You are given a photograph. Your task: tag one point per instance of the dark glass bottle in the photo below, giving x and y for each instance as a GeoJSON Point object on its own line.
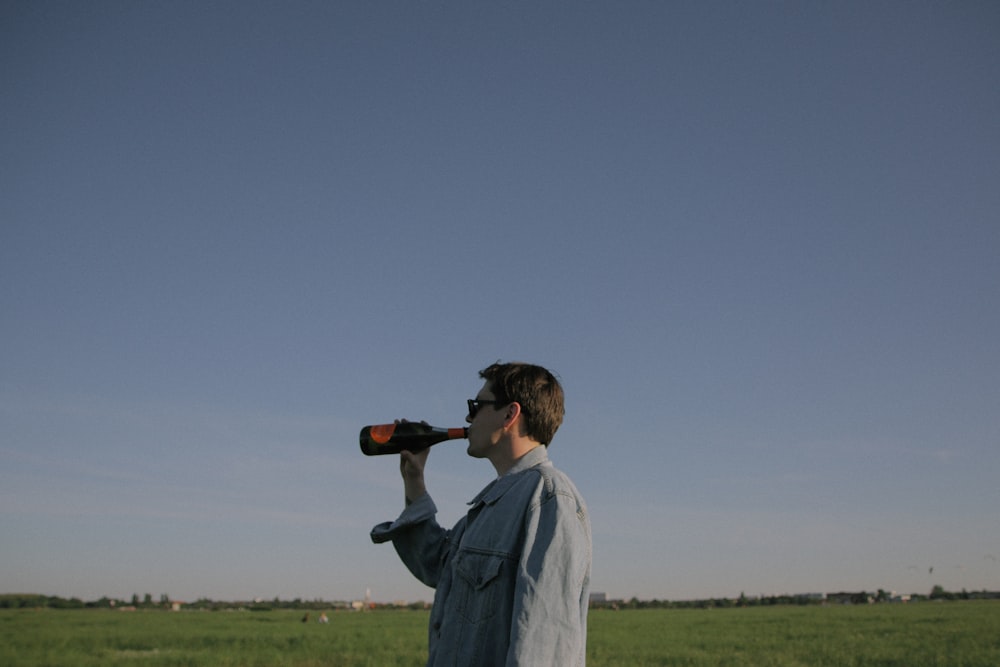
{"type": "Point", "coordinates": [413, 436]}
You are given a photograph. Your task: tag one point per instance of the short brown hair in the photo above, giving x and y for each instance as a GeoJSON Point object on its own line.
{"type": "Point", "coordinates": [535, 389]}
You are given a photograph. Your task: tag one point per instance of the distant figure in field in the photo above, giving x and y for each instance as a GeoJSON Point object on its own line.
{"type": "Point", "coordinates": [323, 618]}
{"type": "Point", "coordinates": [305, 619]}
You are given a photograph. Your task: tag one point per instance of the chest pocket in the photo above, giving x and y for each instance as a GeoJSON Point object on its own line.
{"type": "Point", "coordinates": [477, 585]}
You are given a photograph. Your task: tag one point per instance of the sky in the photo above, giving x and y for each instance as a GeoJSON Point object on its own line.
{"type": "Point", "coordinates": [759, 243]}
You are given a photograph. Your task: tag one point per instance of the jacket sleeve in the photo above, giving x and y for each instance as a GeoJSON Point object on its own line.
{"type": "Point", "coordinates": [418, 539]}
{"type": "Point", "coordinates": [549, 624]}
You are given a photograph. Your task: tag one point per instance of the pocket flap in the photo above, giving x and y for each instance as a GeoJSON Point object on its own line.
{"type": "Point", "coordinates": [479, 570]}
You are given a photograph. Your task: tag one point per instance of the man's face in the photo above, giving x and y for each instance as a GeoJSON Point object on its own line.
{"type": "Point", "coordinates": [486, 425]}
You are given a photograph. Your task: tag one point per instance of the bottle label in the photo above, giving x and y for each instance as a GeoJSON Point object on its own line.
{"type": "Point", "coordinates": [382, 433]}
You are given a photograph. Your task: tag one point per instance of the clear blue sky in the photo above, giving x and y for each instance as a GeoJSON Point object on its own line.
{"type": "Point", "coordinates": [759, 243]}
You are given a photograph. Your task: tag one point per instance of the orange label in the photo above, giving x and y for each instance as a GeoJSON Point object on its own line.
{"type": "Point", "coordinates": [382, 432]}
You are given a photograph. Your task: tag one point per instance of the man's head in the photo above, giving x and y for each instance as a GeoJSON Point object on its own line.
{"type": "Point", "coordinates": [535, 389]}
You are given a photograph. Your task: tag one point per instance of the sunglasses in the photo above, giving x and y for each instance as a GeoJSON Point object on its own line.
{"type": "Point", "coordinates": [476, 403]}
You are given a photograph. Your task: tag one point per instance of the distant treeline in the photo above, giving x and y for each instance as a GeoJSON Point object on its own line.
{"type": "Point", "coordinates": [34, 601]}
{"type": "Point", "coordinates": [860, 597]}
{"type": "Point", "coordinates": [26, 601]}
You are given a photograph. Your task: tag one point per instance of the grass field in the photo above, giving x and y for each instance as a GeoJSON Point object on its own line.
{"type": "Point", "coordinates": [951, 634]}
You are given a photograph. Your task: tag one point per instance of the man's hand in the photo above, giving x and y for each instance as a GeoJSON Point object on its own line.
{"type": "Point", "coordinates": [411, 464]}
{"type": "Point", "coordinates": [411, 467]}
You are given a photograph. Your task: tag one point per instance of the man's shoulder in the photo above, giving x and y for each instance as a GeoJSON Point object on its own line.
{"type": "Point", "coordinates": [549, 481]}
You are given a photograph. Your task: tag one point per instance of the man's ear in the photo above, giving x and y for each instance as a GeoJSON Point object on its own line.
{"type": "Point", "coordinates": [513, 412]}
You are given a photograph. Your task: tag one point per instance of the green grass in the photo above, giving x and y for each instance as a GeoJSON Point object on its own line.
{"type": "Point", "coordinates": [953, 634]}
{"type": "Point", "coordinates": [965, 634]}
{"type": "Point", "coordinates": [99, 637]}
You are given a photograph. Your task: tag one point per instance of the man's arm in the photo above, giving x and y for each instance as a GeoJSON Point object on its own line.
{"type": "Point", "coordinates": [549, 624]}
{"type": "Point", "coordinates": [416, 535]}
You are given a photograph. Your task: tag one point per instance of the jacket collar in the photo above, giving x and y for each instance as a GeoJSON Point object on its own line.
{"type": "Point", "coordinates": [495, 489]}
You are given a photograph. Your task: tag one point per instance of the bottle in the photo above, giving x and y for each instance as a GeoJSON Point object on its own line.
{"type": "Point", "coordinates": [413, 436]}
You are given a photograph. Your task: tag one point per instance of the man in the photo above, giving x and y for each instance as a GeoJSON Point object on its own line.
{"type": "Point", "coordinates": [513, 575]}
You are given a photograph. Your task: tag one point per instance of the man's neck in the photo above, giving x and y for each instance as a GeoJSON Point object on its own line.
{"type": "Point", "coordinates": [512, 454]}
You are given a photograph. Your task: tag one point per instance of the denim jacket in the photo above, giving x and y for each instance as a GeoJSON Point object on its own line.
{"type": "Point", "coordinates": [512, 576]}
